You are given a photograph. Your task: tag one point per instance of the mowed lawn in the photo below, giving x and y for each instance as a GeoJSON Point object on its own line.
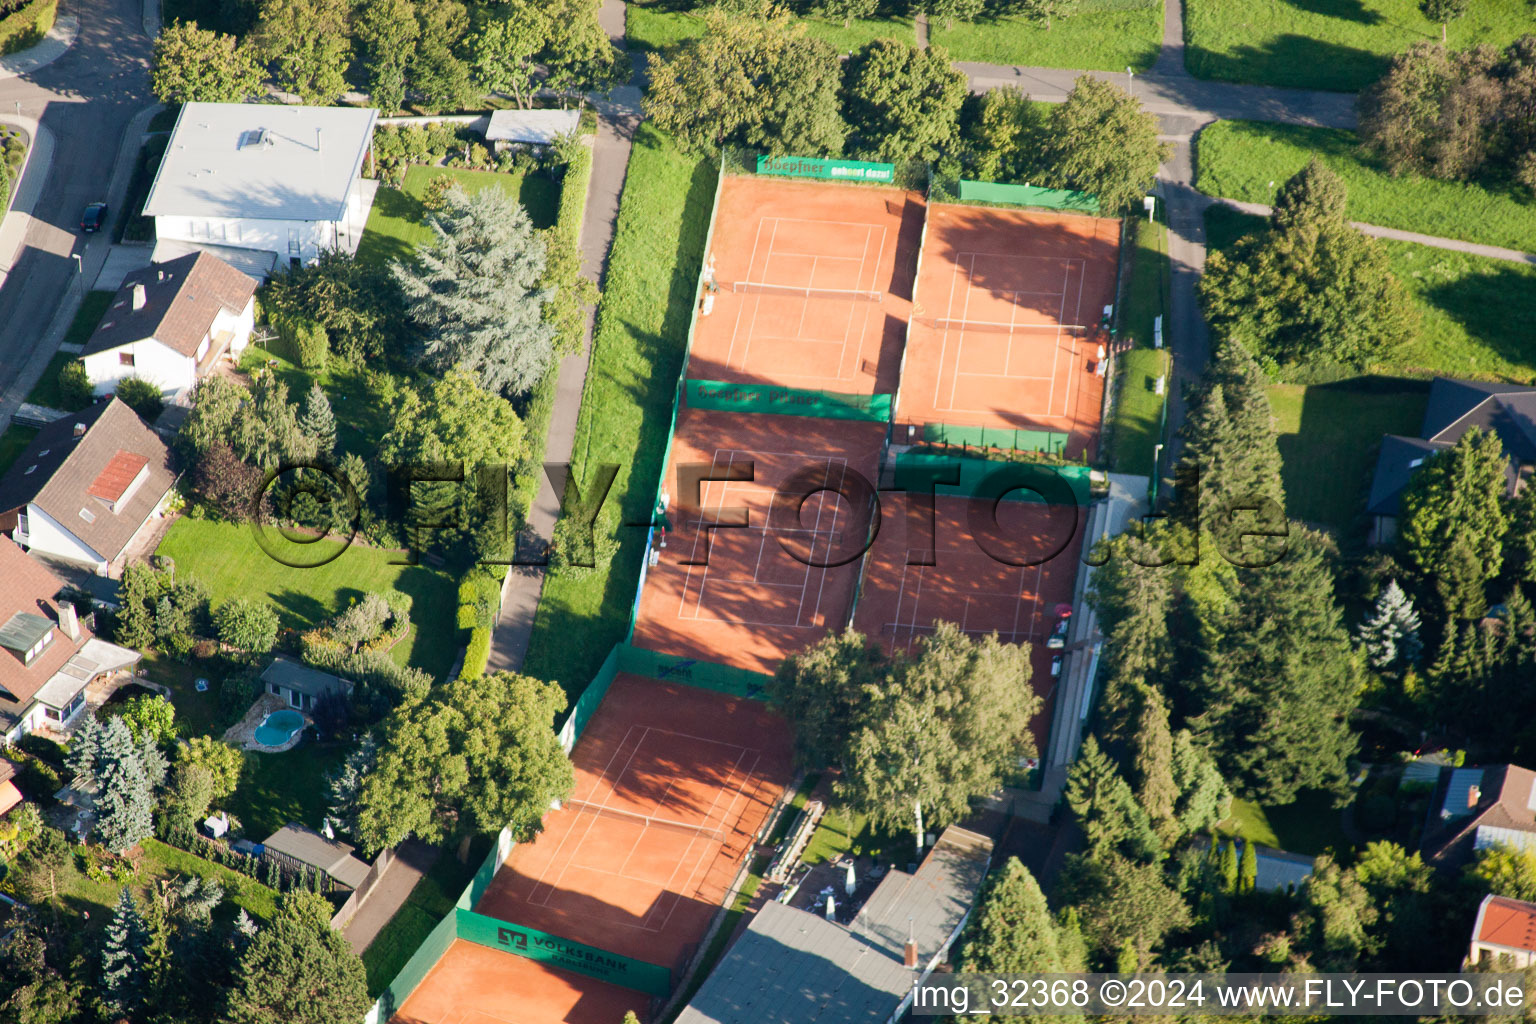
{"type": "Point", "coordinates": [397, 224]}
{"type": "Point", "coordinates": [92, 307]}
{"type": "Point", "coordinates": [1329, 434]}
{"type": "Point", "coordinates": [1138, 408]}
{"type": "Point", "coordinates": [1309, 825]}
{"type": "Point", "coordinates": [1250, 160]}
{"type": "Point", "coordinates": [1341, 45]}
{"type": "Point", "coordinates": [1101, 40]}
{"type": "Point", "coordinates": [1475, 312]}
{"type": "Point", "coordinates": [231, 563]}
{"type": "Point", "coordinates": [626, 413]}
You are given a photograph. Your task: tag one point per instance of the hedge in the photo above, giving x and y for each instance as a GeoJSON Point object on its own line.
{"type": "Point", "coordinates": [303, 341]}
{"type": "Point", "coordinates": [26, 25]}
{"type": "Point", "coordinates": [573, 192]}
{"type": "Point", "coordinates": [478, 654]}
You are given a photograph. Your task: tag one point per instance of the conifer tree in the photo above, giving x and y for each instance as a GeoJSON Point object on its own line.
{"type": "Point", "coordinates": [1390, 633]}
{"type": "Point", "coordinates": [1454, 521]}
{"type": "Point", "coordinates": [1011, 931]}
{"type": "Point", "coordinates": [1248, 871]}
{"type": "Point", "coordinates": [124, 797]}
{"type": "Point", "coordinates": [1152, 769]}
{"type": "Point", "coordinates": [84, 748]}
{"type": "Point", "coordinates": [1101, 799]}
{"type": "Point", "coordinates": [122, 953]}
{"type": "Point", "coordinates": [1204, 798]}
{"type": "Point", "coordinates": [1226, 867]}
{"type": "Point", "coordinates": [1071, 942]}
{"type": "Point", "coordinates": [318, 422]}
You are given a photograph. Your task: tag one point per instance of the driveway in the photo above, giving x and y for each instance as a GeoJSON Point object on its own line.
{"type": "Point", "coordinates": [85, 101]}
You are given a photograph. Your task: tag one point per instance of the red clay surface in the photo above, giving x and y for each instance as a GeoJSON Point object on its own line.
{"type": "Point", "coordinates": [966, 584]}
{"type": "Point", "coordinates": [677, 754]}
{"type": "Point", "coordinates": [809, 235]}
{"type": "Point", "coordinates": [1032, 287]}
{"type": "Point", "coordinates": [751, 603]}
{"type": "Point", "coordinates": [473, 984]}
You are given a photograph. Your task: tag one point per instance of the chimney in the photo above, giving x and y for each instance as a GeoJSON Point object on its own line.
{"type": "Point", "coordinates": [317, 140]}
{"type": "Point", "coordinates": [910, 954]}
{"type": "Point", "coordinates": [160, 275]}
{"type": "Point", "coordinates": [1474, 794]}
{"type": "Point", "coordinates": [69, 621]}
{"type": "Point", "coordinates": [140, 298]}
{"type": "Point", "coordinates": [79, 430]}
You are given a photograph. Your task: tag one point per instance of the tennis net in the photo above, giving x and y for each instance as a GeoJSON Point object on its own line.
{"type": "Point", "coordinates": [998, 326]}
{"type": "Point", "coordinates": [839, 294]}
{"type": "Point", "coordinates": [647, 821]}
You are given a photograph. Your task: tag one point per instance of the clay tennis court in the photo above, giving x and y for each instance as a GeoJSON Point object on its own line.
{"type": "Point", "coordinates": [473, 984]}
{"type": "Point", "coordinates": [735, 595]}
{"type": "Point", "coordinates": [1005, 329]}
{"type": "Point", "coordinates": [814, 285]}
{"type": "Point", "coordinates": [672, 785]}
{"type": "Point", "coordinates": [899, 602]}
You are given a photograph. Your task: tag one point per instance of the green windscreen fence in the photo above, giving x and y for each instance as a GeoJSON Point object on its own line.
{"type": "Point", "coordinates": [737, 682]}
{"type": "Point", "coordinates": [979, 478]}
{"type": "Point", "coordinates": [1028, 195]}
{"type": "Point", "coordinates": [558, 952]}
{"type": "Point", "coordinates": [415, 969]}
{"type": "Point", "coordinates": [824, 169]}
{"type": "Point", "coordinates": [1047, 441]}
{"type": "Point", "coordinates": [470, 897]}
{"type": "Point", "coordinates": [722, 396]}
{"type": "Point", "coordinates": [587, 704]}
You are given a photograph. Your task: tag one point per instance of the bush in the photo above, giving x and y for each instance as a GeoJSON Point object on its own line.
{"type": "Point", "coordinates": [142, 397]}
{"type": "Point", "coordinates": [477, 654]}
{"type": "Point", "coordinates": [302, 340]}
{"type": "Point", "coordinates": [75, 386]}
{"type": "Point", "coordinates": [26, 25]}
{"type": "Point", "coordinates": [479, 595]}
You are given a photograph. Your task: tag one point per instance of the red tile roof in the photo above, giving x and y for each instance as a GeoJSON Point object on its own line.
{"type": "Point", "coordinates": [1506, 922]}
{"type": "Point", "coordinates": [118, 474]}
{"type": "Point", "coordinates": [29, 587]}
{"type": "Point", "coordinates": [181, 299]}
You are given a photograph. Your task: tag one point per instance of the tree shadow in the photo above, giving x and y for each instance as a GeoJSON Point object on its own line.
{"type": "Point", "coordinates": [1495, 308]}
{"type": "Point", "coordinates": [1289, 60]}
{"type": "Point", "coordinates": [1345, 10]}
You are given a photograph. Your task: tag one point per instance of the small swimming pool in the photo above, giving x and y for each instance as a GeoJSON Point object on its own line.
{"type": "Point", "coordinates": [278, 728]}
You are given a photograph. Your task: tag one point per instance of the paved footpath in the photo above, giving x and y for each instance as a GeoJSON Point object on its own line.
{"type": "Point", "coordinates": [618, 117]}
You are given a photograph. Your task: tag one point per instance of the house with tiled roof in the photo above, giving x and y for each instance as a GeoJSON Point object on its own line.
{"type": "Point", "coordinates": [48, 657]}
{"type": "Point", "coordinates": [1477, 807]}
{"type": "Point", "coordinates": [86, 487]}
{"type": "Point", "coordinates": [170, 323]}
{"type": "Point", "coordinates": [1505, 929]}
{"type": "Point", "coordinates": [1455, 407]}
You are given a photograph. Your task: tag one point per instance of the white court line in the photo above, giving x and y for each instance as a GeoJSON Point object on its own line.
{"type": "Point", "coordinates": [703, 862]}
{"type": "Point", "coordinates": [1082, 275]}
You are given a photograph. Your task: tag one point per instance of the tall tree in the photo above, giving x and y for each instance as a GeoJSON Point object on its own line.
{"type": "Point", "coordinates": [1122, 902]}
{"type": "Point", "coordinates": [1335, 920]}
{"type": "Point", "coordinates": [942, 732]}
{"type": "Point", "coordinates": [1101, 141]}
{"type": "Point", "coordinates": [193, 65]}
{"type": "Point", "coordinates": [1152, 769]}
{"type": "Point", "coordinates": [436, 69]}
{"type": "Point", "coordinates": [317, 421]}
{"type": "Point", "coordinates": [1010, 930]}
{"type": "Point", "coordinates": [223, 762]}
{"type": "Point", "coordinates": [1248, 870]}
{"type": "Point", "coordinates": [1204, 799]}
{"type": "Point", "coordinates": [1004, 138]}
{"type": "Point", "coordinates": [473, 756]}
{"type": "Point", "coordinates": [577, 53]}
{"type": "Point", "coordinates": [504, 48]}
{"type": "Point", "coordinates": [1312, 289]}
{"type": "Point", "coordinates": [306, 41]}
{"type": "Point", "coordinates": [1453, 520]}
{"type": "Point", "coordinates": [298, 969]}
{"type": "Point", "coordinates": [1133, 596]}
{"type": "Point", "coordinates": [124, 780]}
{"type": "Point", "coordinates": [825, 691]}
{"type": "Point", "coordinates": [1103, 803]}
{"type": "Point", "coordinates": [475, 292]}
{"type": "Point", "coordinates": [122, 959]}
{"type": "Point", "coordinates": [903, 103]}
{"type": "Point", "coordinates": [1390, 632]}
{"type": "Point", "coordinates": [756, 81]}
{"type": "Point", "coordinates": [1281, 679]}
{"type": "Point", "coordinates": [387, 32]}
{"type": "Point", "coordinates": [844, 10]}
{"type": "Point", "coordinates": [247, 625]}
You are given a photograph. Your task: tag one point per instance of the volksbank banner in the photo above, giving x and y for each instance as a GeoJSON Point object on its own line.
{"type": "Point", "coordinates": [817, 167]}
{"type": "Point", "coordinates": [558, 952]}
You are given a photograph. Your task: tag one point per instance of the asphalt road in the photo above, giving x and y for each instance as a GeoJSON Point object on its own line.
{"type": "Point", "coordinates": [85, 100]}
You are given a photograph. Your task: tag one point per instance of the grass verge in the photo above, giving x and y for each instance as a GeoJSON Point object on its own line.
{"type": "Point", "coordinates": [1250, 160]}
{"type": "Point", "coordinates": [12, 443]}
{"type": "Point", "coordinates": [1095, 40]}
{"type": "Point", "coordinates": [1474, 309]}
{"type": "Point", "coordinates": [429, 902]}
{"type": "Point", "coordinates": [397, 224]}
{"type": "Point", "coordinates": [1341, 45]}
{"type": "Point", "coordinates": [1138, 411]}
{"type": "Point", "coordinates": [655, 26]}
{"type": "Point", "coordinates": [230, 563]}
{"type": "Point", "coordinates": [637, 353]}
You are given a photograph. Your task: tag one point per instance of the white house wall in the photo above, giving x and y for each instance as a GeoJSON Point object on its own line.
{"type": "Point", "coordinates": [47, 535]}
{"type": "Point", "coordinates": [241, 324]}
{"type": "Point", "coordinates": [152, 361]}
{"type": "Point", "coordinates": [307, 237]}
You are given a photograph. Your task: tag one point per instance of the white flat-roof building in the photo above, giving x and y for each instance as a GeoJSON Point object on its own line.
{"type": "Point", "coordinates": [530, 127]}
{"type": "Point", "coordinates": [278, 179]}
